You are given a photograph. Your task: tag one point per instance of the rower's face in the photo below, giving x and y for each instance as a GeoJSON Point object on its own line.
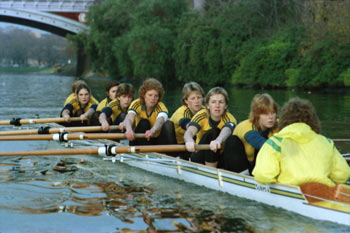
{"type": "Point", "coordinates": [112, 92]}
{"type": "Point", "coordinates": [83, 96]}
{"type": "Point", "coordinates": [217, 105]}
{"type": "Point", "coordinates": [194, 101]}
{"type": "Point", "coordinates": [267, 120]}
{"type": "Point", "coordinates": [151, 98]}
{"type": "Point", "coordinates": [125, 101]}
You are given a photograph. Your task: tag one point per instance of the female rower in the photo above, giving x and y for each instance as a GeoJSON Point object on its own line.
{"type": "Point", "coordinates": [72, 95]}
{"type": "Point", "coordinates": [212, 125]}
{"type": "Point", "coordinates": [82, 106]}
{"type": "Point", "coordinates": [147, 114]}
{"type": "Point", "coordinates": [298, 154]}
{"type": "Point", "coordinates": [114, 113]}
{"type": "Point", "coordinates": [192, 100]}
{"type": "Point", "coordinates": [249, 135]}
{"type": "Point", "coordinates": [111, 90]}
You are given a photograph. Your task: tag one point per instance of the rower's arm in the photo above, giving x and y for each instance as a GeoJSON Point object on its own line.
{"type": "Point", "coordinates": [224, 134]}
{"type": "Point", "coordinates": [188, 137]}
{"type": "Point", "coordinates": [89, 112]}
{"type": "Point", "coordinates": [103, 120]}
{"type": "Point", "coordinates": [158, 124]}
{"type": "Point", "coordinates": [129, 120]}
{"type": "Point", "coordinates": [66, 115]}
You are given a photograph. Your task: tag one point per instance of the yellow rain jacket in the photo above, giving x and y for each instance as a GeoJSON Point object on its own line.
{"type": "Point", "coordinates": [298, 155]}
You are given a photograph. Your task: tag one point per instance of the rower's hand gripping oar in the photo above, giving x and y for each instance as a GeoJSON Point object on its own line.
{"type": "Point", "coordinates": [19, 121]}
{"type": "Point", "coordinates": [107, 150]}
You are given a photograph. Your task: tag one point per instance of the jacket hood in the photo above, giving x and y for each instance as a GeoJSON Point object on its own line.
{"type": "Point", "coordinates": [299, 132]}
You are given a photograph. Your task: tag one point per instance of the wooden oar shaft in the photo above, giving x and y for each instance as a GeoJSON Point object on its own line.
{"type": "Point", "coordinates": [39, 120]}
{"type": "Point", "coordinates": [103, 150]}
{"type": "Point", "coordinates": [57, 130]}
{"type": "Point", "coordinates": [51, 152]}
{"type": "Point", "coordinates": [341, 140]}
{"type": "Point", "coordinates": [157, 148]}
{"type": "Point", "coordinates": [67, 137]}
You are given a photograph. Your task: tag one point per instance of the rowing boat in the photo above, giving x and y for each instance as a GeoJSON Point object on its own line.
{"type": "Point", "coordinates": [288, 197]}
{"type": "Point", "coordinates": [284, 196]}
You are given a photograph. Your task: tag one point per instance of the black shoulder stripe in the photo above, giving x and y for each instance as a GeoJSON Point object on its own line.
{"type": "Point", "coordinates": [200, 117]}
{"type": "Point", "coordinates": [187, 113]}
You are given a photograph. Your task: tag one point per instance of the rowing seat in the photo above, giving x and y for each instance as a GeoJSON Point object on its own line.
{"type": "Point", "coordinates": [315, 192]}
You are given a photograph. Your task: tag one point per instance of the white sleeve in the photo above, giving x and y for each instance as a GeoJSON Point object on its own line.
{"type": "Point", "coordinates": [164, 115]}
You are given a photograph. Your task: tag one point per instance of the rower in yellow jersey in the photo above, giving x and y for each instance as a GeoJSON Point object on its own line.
{"type": "Point", "coordinates": [111, 90]}
{"type": "Point", "coordinates": [82, 106]}
{"type": "Point", "coordinates": [114, 113]}
{"type": "Point", "coordinates": [147, 115]}
{"type": "Point", "coordinates": [192, 100]}
{"type": "Point", "coordinates": [213, 126]}
{"type": "Point", "coordinates": [72, 95]}
{"type": "Point", "coordinates": [250, 135]}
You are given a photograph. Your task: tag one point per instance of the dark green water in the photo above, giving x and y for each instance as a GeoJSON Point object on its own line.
{"type": "Point", "coordinates": [85, 194]}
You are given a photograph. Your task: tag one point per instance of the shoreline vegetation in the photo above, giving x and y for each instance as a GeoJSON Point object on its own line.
{"type": "Point", "coordinates": [260, 44]}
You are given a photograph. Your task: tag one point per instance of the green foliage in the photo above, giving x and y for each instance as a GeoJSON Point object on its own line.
{"type": "Point", "coordinates": [264, 62]}
{"type": "Point", "coordinates": [345, 76]}
{"type": "Point", "coordinates": [292, 75]}
{"type": "Point", "coordinates": [149, 49]}
{"type": "Point", "coordinates": [254, 42]}
{"type": "Point", "coordinates": [323, 63]}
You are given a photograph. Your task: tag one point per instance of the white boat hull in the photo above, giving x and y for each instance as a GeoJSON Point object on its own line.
{"type": "Point", "coordinates": [278, 195]}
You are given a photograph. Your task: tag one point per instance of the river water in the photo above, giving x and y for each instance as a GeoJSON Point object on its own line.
{"type": "Point", "coordinates": [86, 194]}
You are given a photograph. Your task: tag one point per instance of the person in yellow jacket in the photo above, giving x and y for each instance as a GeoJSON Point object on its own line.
{"type": "Point", "coordinates": [298, 154]}
{"type": "Point", "coordinates": [192, 100]}
{"type": "Point", "coordinates": [213, 126]}
{"type": "Point", "coordinates": [82, 106]}
{"type": "Point", "coordinates": [249, 135]}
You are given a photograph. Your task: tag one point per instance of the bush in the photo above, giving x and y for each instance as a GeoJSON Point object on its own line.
{"type": "Point", "coordinates": [345, 76]}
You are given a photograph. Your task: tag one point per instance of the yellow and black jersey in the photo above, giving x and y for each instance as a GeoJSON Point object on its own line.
{"type": "Point", "coordinates": [203, 122]}
{"type": "Point", "coordinates": [181, 117]}
{"type": "Point", "coordinates": [104, 103]}
{"type": "Point", "coordinates": [72, 96]}
{"type": "Point", "coordinates": [113, 110]}
{"type": "Point", "coordinates": [76, 110]}
{"type": "Point", "coordinates": [141, 113]}
{"type": "Point", "coordinates": [252, 138]}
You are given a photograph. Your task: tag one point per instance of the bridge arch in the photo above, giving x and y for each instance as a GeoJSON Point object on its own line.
{"type": "Point", "coordinates": [49, 22]}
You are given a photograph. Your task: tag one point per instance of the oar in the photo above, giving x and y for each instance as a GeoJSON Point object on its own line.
{"type": "Point", "coordinates": [316, 192]}
{"type": "Point", "coordinates": [65, 137]}
{"type": "Point", "coordinates": [105, 150]}
{"type": "Point", "coordinates": [18, 121]}
{"type": "Point", "coordinates": [48, 130]}
{"type": "Point", "coordinates": [341, 140]}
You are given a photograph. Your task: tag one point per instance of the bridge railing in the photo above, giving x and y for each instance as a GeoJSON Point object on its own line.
{"type": "Point", "coordinates": [49, 5]}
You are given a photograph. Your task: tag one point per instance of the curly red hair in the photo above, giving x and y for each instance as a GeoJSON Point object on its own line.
{"type": "Point", "coordinates": [150, 84]}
